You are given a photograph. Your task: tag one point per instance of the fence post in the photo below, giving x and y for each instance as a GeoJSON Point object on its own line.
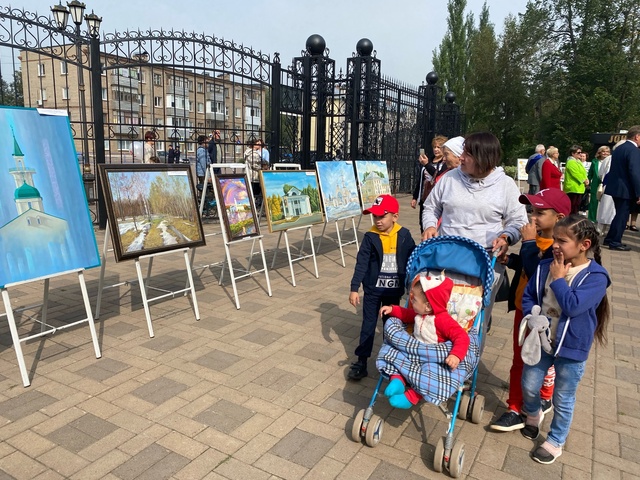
{"type": "Point", "coordinates": [276, 106]}
{"type": "Point", "coordinates": [98, 122]}
{"type": "Point", "coordinates": [429, 94]}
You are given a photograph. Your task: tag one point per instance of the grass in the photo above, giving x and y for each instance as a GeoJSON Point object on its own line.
{"type": "Point", "coordinates": [189, 230]}
{"type": "Point", "coordinates": [154, 237]}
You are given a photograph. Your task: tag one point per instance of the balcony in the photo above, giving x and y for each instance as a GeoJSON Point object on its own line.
{"type": "Point", "coordinates": [248, 102]}
{"type": "Point", "coordinates": [116, 79]}
{"type": "Point", "coordinates": [180, 91]}
{"type": "Point", "coordinates": [215, 96]}
{"type": "Point", "coordinates": [121, 105]}
{"type": "Point", "coordinates": [123, 130]}
{"type": "Point", "coordinates": [217, 116]}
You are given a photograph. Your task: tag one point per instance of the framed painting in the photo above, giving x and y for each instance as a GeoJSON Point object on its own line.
{"type": "Point", "coordinates": [151, 208]}
{"type": "Point", "coordinates": [292, 198]}
{"type": "Point", "coordinates": [373, 180]}
{"type": "Point", "coordinates": [237, 206]}
{"type": "Point", "coordinates": [45, 224]}
{"type": "Point", "coordinates": [338, 189]}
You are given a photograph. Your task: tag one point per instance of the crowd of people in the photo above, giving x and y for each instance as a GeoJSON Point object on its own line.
{"type": "Point", "coordinates": [559, 284]}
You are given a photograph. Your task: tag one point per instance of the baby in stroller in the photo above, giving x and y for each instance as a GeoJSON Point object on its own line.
{"type": "Point", "coordinates": [429, 296]}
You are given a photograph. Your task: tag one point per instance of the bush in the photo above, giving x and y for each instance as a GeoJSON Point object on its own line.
{"type": "Point", "coordinates": [511, 170]}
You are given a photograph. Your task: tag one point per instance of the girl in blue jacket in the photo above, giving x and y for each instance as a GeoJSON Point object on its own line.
{"type": "Point", "coordinates": [571, 290]}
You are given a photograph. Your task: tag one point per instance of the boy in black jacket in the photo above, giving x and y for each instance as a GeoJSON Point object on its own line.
{"type": "Point", "coordinates": [381, 269]}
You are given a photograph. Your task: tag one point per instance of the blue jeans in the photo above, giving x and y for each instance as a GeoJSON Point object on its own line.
{"type": "Point", "coordinates": [568, 376]}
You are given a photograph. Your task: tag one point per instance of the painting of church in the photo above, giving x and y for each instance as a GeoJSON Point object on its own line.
{"type": "Point", "coordinates": [373, 178]}
{"type": "Point", "coordinates": [42, 229]}
{"type": "Point", "coordinates": [338, 189]}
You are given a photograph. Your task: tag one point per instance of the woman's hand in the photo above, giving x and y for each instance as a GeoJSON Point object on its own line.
{"type": "Point", "coordinates": [414, 202]}
{"type": "Point", "coordinates": [424, 159]}
{"type": "Point", "coordinates": [354, 299]}
{"type": "Point", "coordinates": [429, 233]}
{"type": "Point", "coordinates": [557, 268]}
{"type": "Point", "coordinates": [500, 246]}
{"type": "Point", "coordinates": [385, 310]}
{"type": "Point", "coordinates": [529, 231]}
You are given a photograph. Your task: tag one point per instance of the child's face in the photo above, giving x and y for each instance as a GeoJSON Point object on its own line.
{"type": "Point", "coordinates": [419, 301]}
{"type": "Point", "coordinates": [545, 219]}
{"type": "Point", "coordinates": [385, 222]}
{"type": "Point", "coordinates": [565, 243]}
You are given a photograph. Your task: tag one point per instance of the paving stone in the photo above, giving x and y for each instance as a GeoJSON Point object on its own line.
{"type": "Point", "coordinates": [25, 404]}
{"type": "Point", "coordinates": [163, 344]}
{"type": "Point", "coordinates": [302, 448]}
{"type": "Point", "coordinates": [224, 416]}
{"type": "Point", "coordinates": [159, 391]}
{"type": "Point", "coordinates": [138, 465]}
{"type": "Point", "coordinates": [218, 360]}
{"type": "Point", "coordinates": [262, 337]}
{"type": "Point", "coordinates": [103, 369]}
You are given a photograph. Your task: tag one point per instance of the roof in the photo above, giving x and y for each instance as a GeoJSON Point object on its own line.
{"type": "Point", "coordinates": [26, 191]}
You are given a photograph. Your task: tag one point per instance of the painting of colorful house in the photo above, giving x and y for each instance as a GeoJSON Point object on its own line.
{"type": "Point", "coordinates": [339, 190]}
{"type": "Point", "coordinates": [373, 180]}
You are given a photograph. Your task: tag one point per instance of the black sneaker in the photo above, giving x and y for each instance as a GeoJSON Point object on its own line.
{"type": "Point", "coordinates": [532, 431]}
{"type": "Point", "coordinates": [546, 406]}
{"type": "Point", "coordinates": [358, 370]}
{"type": "Point", "coordinates": [508, 422]}
{"type": "Point", "coordinates": [541, 455]}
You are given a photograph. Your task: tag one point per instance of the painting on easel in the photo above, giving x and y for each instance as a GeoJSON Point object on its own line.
{"type": "Point", "coordinates": [339, 190]}
{"type": "Point", "coordinates": [237, 206]}
{"type": "Point", "coordinates": [45, 226]}
{"type": "Point", "coordinates": [292, 198]}
{"type": "Point", "coordinates": [373, 180]}
{"type": "Point", "coordinates": [151, 208]}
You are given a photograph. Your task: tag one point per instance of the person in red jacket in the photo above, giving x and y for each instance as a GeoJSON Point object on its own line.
{"type": "Point", "coordinates": [432, 323]}
{"type": "Point", "coordinates": [551, 173]}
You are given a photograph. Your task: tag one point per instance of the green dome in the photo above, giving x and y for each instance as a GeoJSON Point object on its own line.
{"type": "Point", "coordinates": [26, 191]}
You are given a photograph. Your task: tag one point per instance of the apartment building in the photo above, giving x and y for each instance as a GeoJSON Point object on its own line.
{"type": "Point", "coordinates": [175, 102]}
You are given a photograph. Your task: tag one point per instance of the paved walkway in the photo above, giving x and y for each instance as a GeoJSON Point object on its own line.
{"type": "Point", "coordinates": [260, 392]}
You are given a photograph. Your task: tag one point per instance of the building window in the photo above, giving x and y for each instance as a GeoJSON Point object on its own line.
{"type": "Point", "coordinates": [104, 94]}
{"type": "Point", "coordinates": [143, 77]}
{"type": "Point", "coordinates": [107, 145]}
{"type": "Point", "coordinates": [157, 101]}
{"type": "Point", "coordinates": [65, 93]}
{"type": "Point", "coordinates": [157, 79]}
{"type": "Point", "coordinates": [237, 94]}
{"type": "Point", "coordinates": [237, 112]}
{"type": "Point", "coordinates": [63, 67]}
{"type": "Point", "coordinates": [226, 92]}
{"type": "Point", "coordinates": [200, 87]}
{"type": "Point", "coordinates": [143, 99]}
{"type": "Point", "coordinates": [200, 107]}
{"type": "Point", "coordinates": [158, 121]}
{"type": "Point", "coordinates": [124, 145]}
{"type": "Point", "coordinates": [41, 69]}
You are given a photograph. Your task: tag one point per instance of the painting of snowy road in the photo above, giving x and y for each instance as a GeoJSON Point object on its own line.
{"type": "Point", "coordinates": [151, 208]}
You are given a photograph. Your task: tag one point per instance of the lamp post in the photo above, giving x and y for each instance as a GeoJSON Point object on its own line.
{"type": "Point", "coordinates": [61, 16]}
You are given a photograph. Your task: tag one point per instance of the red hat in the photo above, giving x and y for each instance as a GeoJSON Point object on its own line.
{"type": "Point", "coordinates": [383, 204]}
{"type": "Point", "coordinates": [437, 288]}
{"type": "Point", "coordinates": [548, 198]}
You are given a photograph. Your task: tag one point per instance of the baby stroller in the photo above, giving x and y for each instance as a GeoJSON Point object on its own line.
{"type": "Point", "coordinates": [209, 209]}
{"type": "Point", "coordinates": [468, 264]}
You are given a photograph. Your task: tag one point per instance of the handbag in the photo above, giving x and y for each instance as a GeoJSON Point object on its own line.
{"type": "Point", "coordinates": [600, 191]}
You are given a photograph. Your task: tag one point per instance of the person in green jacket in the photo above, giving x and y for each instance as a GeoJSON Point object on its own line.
{"type": "Point", "coordinates": [575, 178]}
{"type": "Point", "coordinates": [594, 181]}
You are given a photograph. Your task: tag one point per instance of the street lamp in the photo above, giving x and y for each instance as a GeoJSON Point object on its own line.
{"type": "Point", "coordinates": [61, 15]}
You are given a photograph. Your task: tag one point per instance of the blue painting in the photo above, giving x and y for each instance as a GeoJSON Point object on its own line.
{"type": "Point", "coordinates": [292, 198]}
{"type": "Point", "coordinates": [45, 225]}
{"type": "Point", "coordinates": [339, 190]}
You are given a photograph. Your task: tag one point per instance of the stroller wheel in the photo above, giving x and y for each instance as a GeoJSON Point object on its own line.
{"type": "Point", "coordinates": [374, 431]}
{"type": "Point", "coordinates": [478, 409]}
{"type": "Point", "coordinates": [456, 461]}
{"type": "Point", "coordinates": [463, 410]}
{"type": "Point", "coordinates": [357, 426]}
{"type": "Point", "coordinates": [438, 456]}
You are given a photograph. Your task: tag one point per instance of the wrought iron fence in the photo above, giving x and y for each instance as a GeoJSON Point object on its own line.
{"type": "Point", "coordinates": [179, 87]}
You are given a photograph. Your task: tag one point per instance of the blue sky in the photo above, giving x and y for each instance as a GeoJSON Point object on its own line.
{"type": "Point", "coordinates": [299, 178]}
{"type": "Point", "coordinates": [404, 32]}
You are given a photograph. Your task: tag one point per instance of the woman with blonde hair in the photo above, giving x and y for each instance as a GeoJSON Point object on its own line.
{"type": "Point", "coordinates": [551, 173]}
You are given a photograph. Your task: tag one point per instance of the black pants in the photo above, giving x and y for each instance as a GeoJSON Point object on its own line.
{"type": "Point", "coordinates": [616, 230]}
{"type": "Point", "coordinates": [371, 304]}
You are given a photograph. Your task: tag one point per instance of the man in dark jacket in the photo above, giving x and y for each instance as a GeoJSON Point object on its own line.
{"type": "Point", "coordinates": [623, 185]}
{"type": "Point", "coordinates": [212, 149]}
{"type": "Point", "coordinates": [171, 155]}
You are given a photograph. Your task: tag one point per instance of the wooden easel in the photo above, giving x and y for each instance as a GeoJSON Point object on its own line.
{"type": "Point", "coordinates": [144, 287]}
{"type": "Point", "coordinates": [45, 328]}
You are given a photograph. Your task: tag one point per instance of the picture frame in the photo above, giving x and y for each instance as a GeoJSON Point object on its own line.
{"type": "Point", "coordinates": [373, 180]}
{"type": "Point", "coordinates": [45, 224]}
{"type": "Point", "coordinates": [338, 189]}
{"type": "Point", "coordinates": [151, 208]}
{"type": "Point", "coordinates": [291, 199]}
{"type": "Point", "coordinates": [237, 206]}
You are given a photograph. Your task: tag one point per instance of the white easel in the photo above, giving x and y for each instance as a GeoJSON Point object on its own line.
{"type": "Point", "coordinates": [141, 281]}
{"type": "Point", "coordinates": [9, 313]}
{"type": "Point", "coordinates": [228, 243]}
{"type": "Point", "coordinates": [342, 244]}
{"type": "Point", "coordinates": [300, 255]}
